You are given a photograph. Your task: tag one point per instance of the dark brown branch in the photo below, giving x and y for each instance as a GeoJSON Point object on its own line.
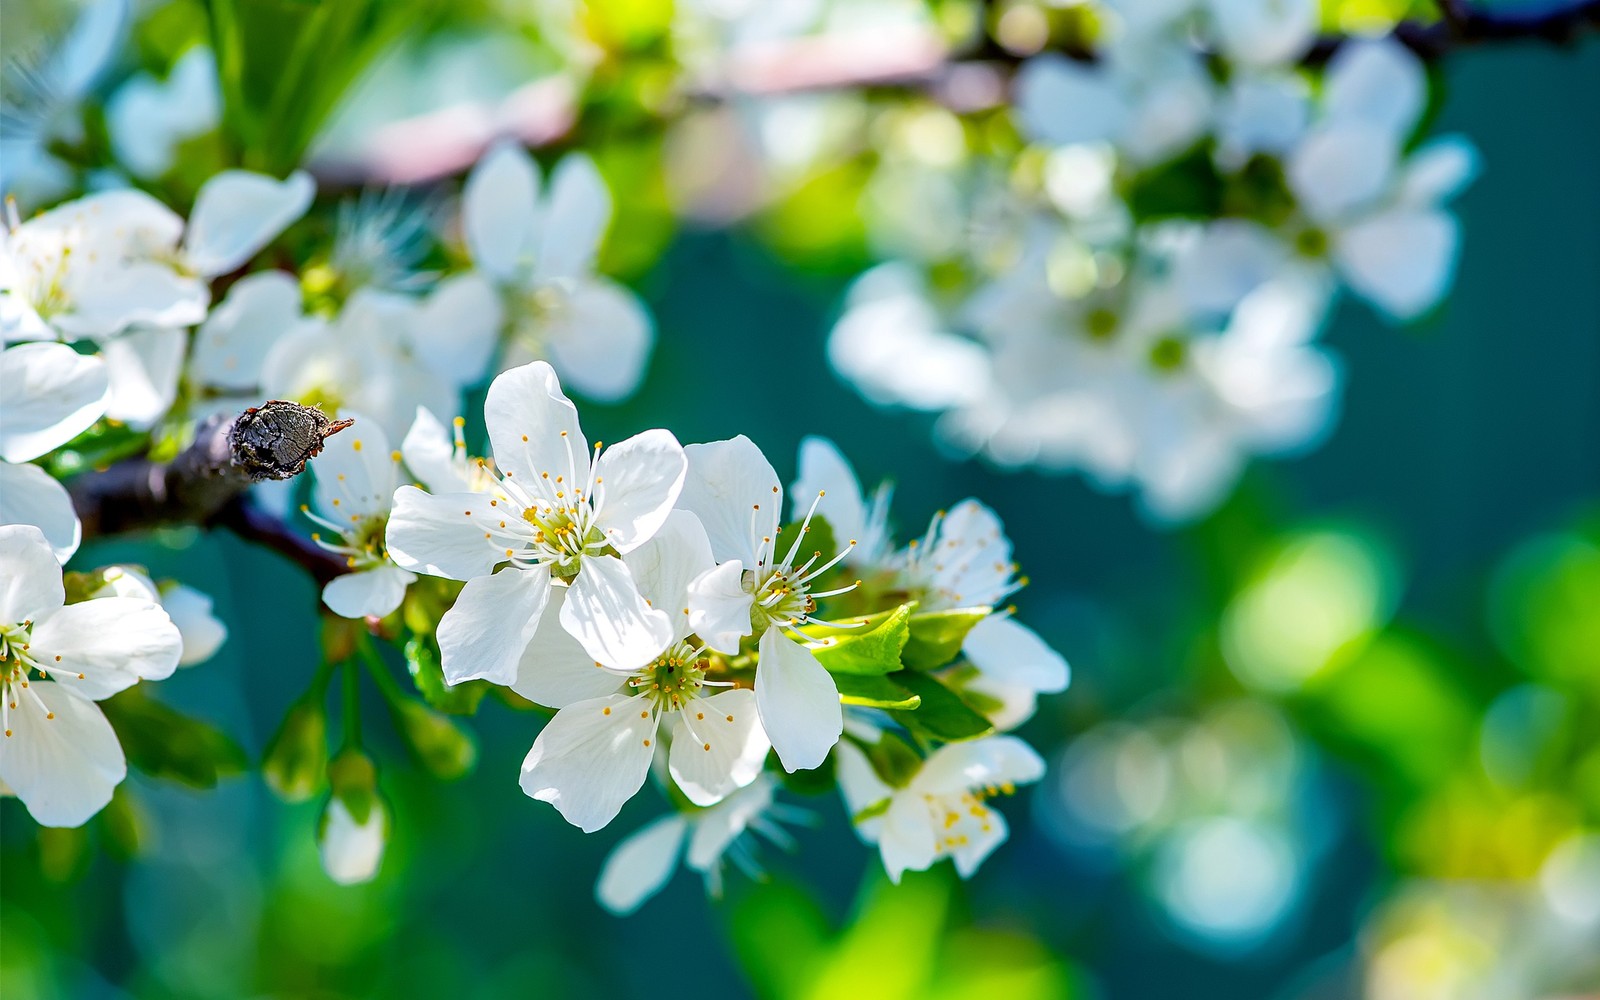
{"type": "Point", "coordinates": [253, 524]}
{"type": "Point", "coordinates": [272, 441]}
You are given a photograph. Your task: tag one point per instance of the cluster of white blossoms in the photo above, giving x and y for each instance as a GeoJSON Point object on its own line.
{"type": "Point", "coordinates": [650, 594]}
{"type": "Point", "coordinates": [1148, 284]}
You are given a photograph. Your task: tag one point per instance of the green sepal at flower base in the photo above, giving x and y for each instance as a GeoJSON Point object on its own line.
{"type": "Point", "coordinates": [422, 660]}
{"type": "Point", "coordinates": [354, 782]}
{"type": "Point", "coordinates": [295, 766]}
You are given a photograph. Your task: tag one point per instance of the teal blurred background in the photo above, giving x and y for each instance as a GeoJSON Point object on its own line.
{"type": "Point", "coordinates": [1453, 530]}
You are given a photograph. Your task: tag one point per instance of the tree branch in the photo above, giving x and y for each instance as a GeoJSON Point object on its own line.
{"type": "Point", "coordinates": [251, 523]}
{"type": "Point", "coordinates": [272, 441]}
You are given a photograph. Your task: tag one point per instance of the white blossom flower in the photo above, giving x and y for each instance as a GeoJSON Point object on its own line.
{"type": "Point", "coordinates": [202, 632]}
{"type": "Point", "coordinates": [942, 812]}
{"type": "Point", "coordinates": [52, 394]}
{"type": "Point", "coordinates": [555, 512]}
{"type": "Point", "coordinates": [825, 472]}
{"type": "Point", "coordinates": [231, 347]}
{"type": "Point", "coordinates": [145, 364]}
{"type": "Point", "coordinates": [147, 118]}
{"type": "Point", "coordinates": [540, 252]}
{"type": "Point", "coordinates": [387, 353]}
{"type": "Point", "coordinates": [356, 476]}
{"type": "Point", "coordinates": [438, 458]}
{"type": "Point", "coordinates": [58, 754]}
{"type": "Point", "coordinates": [1380, 222]}
{"type": "Point", "coordinates": [95, 266]}
{"type": "Point", "coordinates": [594, 755]}
{"type": "Point", "coordinates": [756, 590]}
{"type": "Point", "coordinates": [643, 862]}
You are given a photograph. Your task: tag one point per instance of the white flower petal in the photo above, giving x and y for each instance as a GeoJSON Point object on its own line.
{"type": "Point", "coordinates": [112, 642]}
{"type": "Point", "coordinates": [574, 219]}
{"type": "Point", "coordinates": [591, 759]}
{"type": "Point", "coordinates": [824, 470]}
{"type": "Point", "coordinates": [717, 828]}
{"type": "Point", "coordinates": [1011, 653]}
{"type": "Point", "coordinates": [605, 612]}
{"type": "Point", "coordinates": [429, 452]}
{"type": "Point", "coordinates": [533, 426]}
{"type": "Point", "coordinates": [971, 853]}
{"type": "Point", "coordinates": [1438, 171]}
{"type": "Point", "coordinates": [1377, 81]}
{"type": "Point", "coordinates": [719, 607]}
{"type": "Point", "coordinates": [30, 577]}
{"type": "Point", "coordinates": [1401, 261]}
{"type": "Point", "coordinates": [906, 840]}
{"type": "Point", "coordinates": [30, 495]}
{"type": "Point", "coordinates": [640, 865]}
{"type": "Point", "coordinates": [1339, 169]}
{"type": "Point", "coordinates": [356, 473]}
{"type": "Point", "coordinates": [203, 632]}
{"type": "Point", "coordinates": [140, 292]}
{"type": "Point", "coordinates": [992, 760]}
{"type": "Point", "coordinates": [664, 567]}
{"type": "Point", "coordinates": [63, 769]}
{"type": "Point", "coordinates": [1062, 102]}
{"type": "Point", "coordinates": [144, 365]}
{"type": "Point", "coordinates": [498, 206]}
{"type": "Point", "coordinates": [53, 394]}
{"type": "Point", "coordinates": [799, 702]}
{"type": "Point", "coordinates": [231, 346]}
{"type": "Point", "coordinates": [554, 670]}
{"type": "Point", "coordinates": [600, 343]}
{"type": "Point", "coordinates": [487, 629]}
{"type": "Point", "coordinates": [636, 484]}
{"type": "Point", "coordinates": [733, 490]}
{"type": "Point", "coordinates": [457, 326]}
{"type": "Point", "coordinates": [238, 212]}
{"type": "Point", "coordinates": [443, 535]}
{"type": "Point", "coordinates": [718, 745]}
{"type": "Point", "coordinates": [372, 592]}
{"type": "Point", "coordinates": [861, 788]}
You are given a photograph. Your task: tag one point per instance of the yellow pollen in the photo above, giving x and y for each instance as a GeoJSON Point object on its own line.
{"type": "Point", "coordinates": [708, 746]}
{"type": "Point", "coordinates": [697, 715]}
{"type": "Point", "coordinates": [356, 444]}
{"type": "Point", "coordinates": [730, 718]}
{"type": "Point", "coordinates": [394, 456]}
{"type": "Point", "coordinates": [459, 421]}
{"type": "Point", "coordinates": [644, 715]}
{"type": "Point", "coordinates": [606, 710]}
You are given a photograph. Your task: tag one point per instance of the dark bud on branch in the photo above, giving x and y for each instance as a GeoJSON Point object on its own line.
{"type": "Point", "coordinates": [271, 441]}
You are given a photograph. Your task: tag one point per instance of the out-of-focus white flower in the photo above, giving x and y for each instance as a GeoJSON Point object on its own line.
{"type": "Point", "coordinates": [1380, 222]}
{"type": "Point", "coordinates": [594, 755]}
{"type": "Point", "coordinates": [891, 344]}
{"type": "Point", "coordinates": [1261, 112]}
{"type": "Point", "coordinates": [643, 862]}
{"type": "Point", "coordinates": [942, 811]}
{"type": "Point", "coordinates": [40, 97]}
{"type": "Point", "coordinates": [190, 610]}
{"type": "Point", "coordinates": [148, 118]}
{"type": "Point", "coordinates": [539, 250]}
{"type": "Point", "coordinates": [145, 364]}
{"type": "Point", "coordinates": [384, 355]}
{"type": "Point", "coordinates": [756, 590]}
{"type": "Point", "coordinates": [825, 472]}
{"type": "Point", "coordinates": [552, 512]}
{"type": "Point", "coordinates": [356, 477]}
{"type": "Point", "coordinates": [98, 265]}
{"type": "Point", "coordinates": [1152, 101]}
{"type": "Point", "coordinates": [52, 394]}
{"type": "Point", "coordinates": [232, 345]}
{"type": "Point", "coordinates": [58, 754]}
{"type": "Point", "coordinates": [1264, 32]}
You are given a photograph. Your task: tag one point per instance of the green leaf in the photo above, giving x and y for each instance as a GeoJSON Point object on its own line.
{"type": "Point", "coordinates": [942, 714]}
{"type": "Point", "coordinates": [936, 636]}
{"type": "Point", "coordinates": [894, 760]}
{"type": "Point", "coordinates": [874, 691]}
{"type": "Point", "coordinates": [422, 659]}
{"type": "Point", "coordinates": [870, 648]}
{"type": "Point", "coordinates": [164, 743]}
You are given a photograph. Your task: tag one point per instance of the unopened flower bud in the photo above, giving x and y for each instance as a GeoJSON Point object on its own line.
{"type": "Point", "coordinates": [296, 763]}
{"type": "Point", "coordinates": [443, 747]}
{"type": "Point", "coordinates": [354, 828]}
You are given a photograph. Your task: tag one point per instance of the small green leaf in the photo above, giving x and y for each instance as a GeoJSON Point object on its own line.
{"type": "Point", "coordinates": [942, 714]}
{"type": "Point", "coordinates": [874, 691]}
{"type": "Point", "coordinates": [422, 659]}
{"type": "Point", "coordinates": [870, 648]}
{"type": "Point", "coordinates": [164, 743]}
{"type": "Point", "coordinates": [936, 636]}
